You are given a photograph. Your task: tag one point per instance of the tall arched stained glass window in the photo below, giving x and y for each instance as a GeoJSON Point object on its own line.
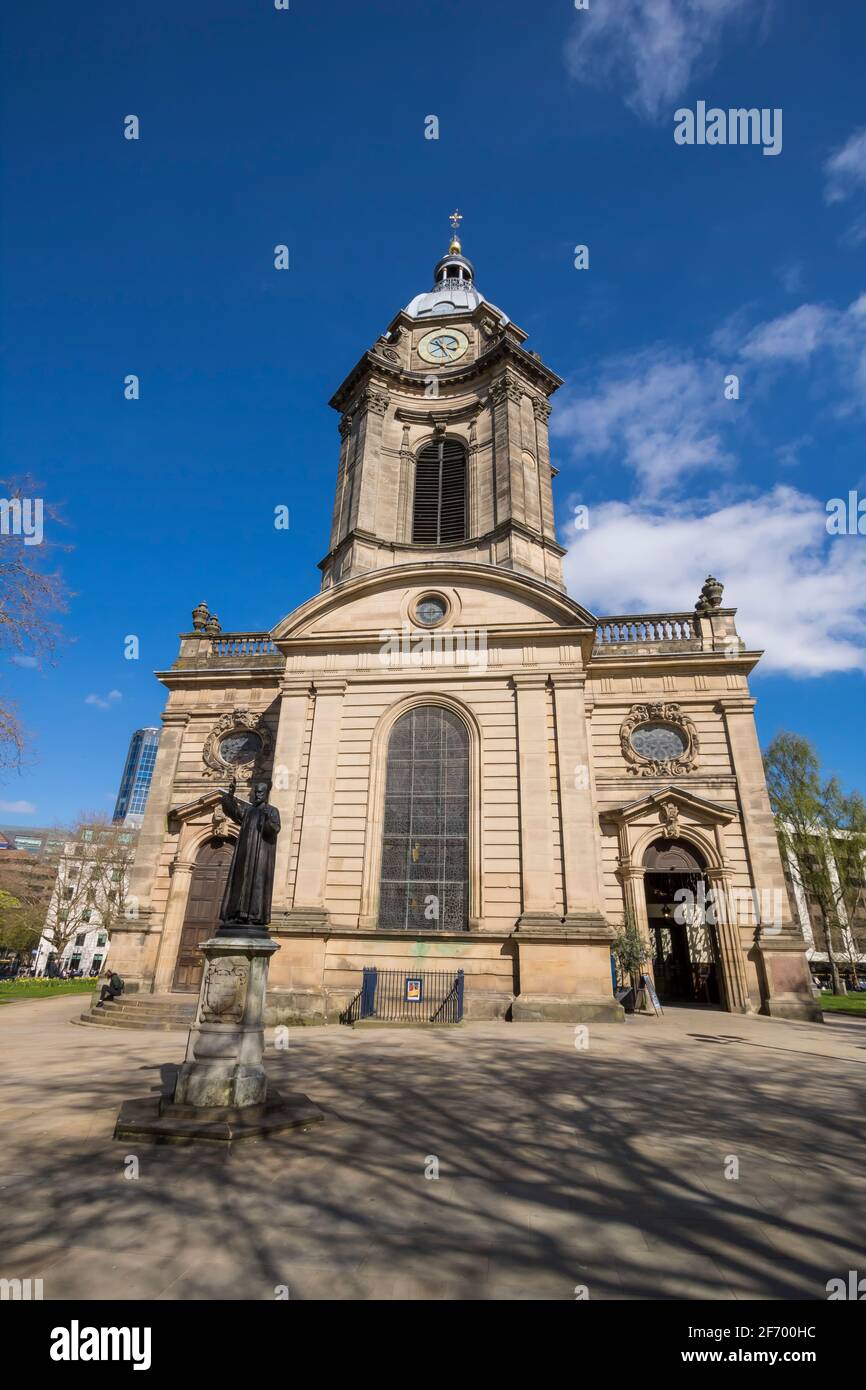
{"type": "Point", "coordinates": [425, 847]}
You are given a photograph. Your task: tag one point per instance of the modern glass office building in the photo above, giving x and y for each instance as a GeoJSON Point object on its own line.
{"type": "Point", "coordinates": [135, 782]}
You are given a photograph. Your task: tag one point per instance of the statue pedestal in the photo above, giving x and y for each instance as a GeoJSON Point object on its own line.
{"type": "Point", "coordinates": [223, 1064]}
{"type": "Point", "coordinates": [221, 1094]}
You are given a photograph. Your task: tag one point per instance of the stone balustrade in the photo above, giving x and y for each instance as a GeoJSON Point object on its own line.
{"type": "Point", "coordinates": [638, 631]}
{"type": "Point", "coordinates": [242, 644]}
{"type": "Point", "coordinates": [209, 650]}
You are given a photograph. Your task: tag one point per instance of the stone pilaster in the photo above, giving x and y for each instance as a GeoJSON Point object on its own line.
{"type": "Point", "coordinates": [295, 696]}
{"type": "Point", "coordinates": [172, 927]}
{"type": "Point", "coordinates": [374, 406]}
{"type": "Point", "coordinates": [785, 980]}
{"type": "Point", "coordinates": [564, 961]}
{"type": "Point", "coordinates": [536, 801]}
{"type": "Point", "coordinates": [338, 526]}
{"type": "Point", "coordinates": [734, 983]}
{"type": "Point", "coordinates": [308, 906]}
{"type": "Point", "coordinates": [541, 410]}
{"type": "Point", "coordinates": [578, 812]}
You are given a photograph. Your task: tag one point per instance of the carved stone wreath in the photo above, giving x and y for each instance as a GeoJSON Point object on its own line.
{"type": "Point", "coordinates": [659, 713]}
{"type": "Point", "coordinates": [238, 721]}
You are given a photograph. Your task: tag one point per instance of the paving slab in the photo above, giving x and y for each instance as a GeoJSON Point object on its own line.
{"type": "Point", "coordinates": [558, 1166]}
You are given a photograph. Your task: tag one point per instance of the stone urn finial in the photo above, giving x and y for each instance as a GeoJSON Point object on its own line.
{"type": "Point", "coordinates": [711, 595]}
{"type": "Point", "coordinates": [200, 615]}
{"type": "Point", "coordinates": [213, 625]}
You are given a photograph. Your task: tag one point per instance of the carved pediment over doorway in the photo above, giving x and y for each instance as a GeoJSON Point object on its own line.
{"type": "Point", "coordinates": [196, 813]}
{"type": "Point", "coordinates": [668, 816]}
{"type": "Point", "coordinates": [674, 806]}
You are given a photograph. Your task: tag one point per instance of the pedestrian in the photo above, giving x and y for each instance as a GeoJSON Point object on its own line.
{"type": "Point", "coordinates": [112, 989]}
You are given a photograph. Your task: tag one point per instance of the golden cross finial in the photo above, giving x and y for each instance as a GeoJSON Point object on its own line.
{"type": "Point", "coordinates": [455, 219]}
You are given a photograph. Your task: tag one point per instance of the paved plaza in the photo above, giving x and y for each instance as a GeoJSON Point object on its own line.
{"type": "Point", "coordinates": [559, 1166]}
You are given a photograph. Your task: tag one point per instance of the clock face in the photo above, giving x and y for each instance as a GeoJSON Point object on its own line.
{"type": "Point", "coordinates": [443, 345]}
{"type": "Point", "coordinates": [240, 747]}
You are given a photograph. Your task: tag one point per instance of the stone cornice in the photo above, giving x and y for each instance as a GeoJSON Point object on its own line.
{"type": "Point", "coordinates": [624, 662]}
{"type": "Point", "coordinates": [503, 529]}
{"type": "Point", "coordinates": [503, 350]}
{"type": "Point", "coordinates": [443, 411]}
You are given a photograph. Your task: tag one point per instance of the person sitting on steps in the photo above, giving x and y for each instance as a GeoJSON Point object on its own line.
{"type": "Point", "coordinates": [112, 989]}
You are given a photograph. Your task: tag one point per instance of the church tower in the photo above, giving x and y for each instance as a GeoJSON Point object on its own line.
{"type": "Point", "coordinates": [445, 452]}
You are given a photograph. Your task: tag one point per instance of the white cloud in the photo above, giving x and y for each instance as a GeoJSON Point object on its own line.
{"type": "Point", "coordinates": [801, 592]}
{"type": "Point", "coordinates": [846, 168]}
{"type": "Point", "coordinates": [665, 414]}
{"type": "Point", "coordinates": [103, 703]}
{"type": "Point", "coordinates": [28, 662]}
{"type": "Point", "coordinates": [652, 48]}
{"type": "Point", "coordinates": [797, 337]}
{"type": "Point", "coordinates": [791, 337]}
{"type": "Point", "coordinates": [662, 413]}
{"type": "Point", "coordinates": [18, 808]}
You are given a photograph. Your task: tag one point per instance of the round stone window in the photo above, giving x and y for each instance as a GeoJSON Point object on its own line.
{"type": "Point", "coordinates": [431, 610]}
{"type": "Point", "coordinates": [659, 743]}
{"type": "Point", "coordinates": [240, 747]}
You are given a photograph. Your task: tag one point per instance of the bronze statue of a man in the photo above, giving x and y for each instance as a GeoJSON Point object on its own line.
{"type": "Point", "coordinates": [246, 904]}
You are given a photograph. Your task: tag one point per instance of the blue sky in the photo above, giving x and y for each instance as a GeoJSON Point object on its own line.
{"type": "Point", "coordinates": [306, 127]}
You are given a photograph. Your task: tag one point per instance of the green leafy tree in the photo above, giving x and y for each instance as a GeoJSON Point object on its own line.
{"type": "Point", "coordinates": [822, 829]}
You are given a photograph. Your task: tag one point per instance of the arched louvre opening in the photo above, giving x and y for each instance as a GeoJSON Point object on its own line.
{"type": "Point", "coordinates": [439, 513]}
{"type": "Point", "coordinates": [424, 883]}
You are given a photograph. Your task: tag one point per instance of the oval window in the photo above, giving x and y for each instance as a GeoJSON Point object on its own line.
{"type": "Point", "coordinates": [659, 743]}
{"type": "Point", "coordinates": [240, 747]}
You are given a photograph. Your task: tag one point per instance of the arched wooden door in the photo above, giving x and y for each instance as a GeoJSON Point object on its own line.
{"type": "Point", "coordinates": [207, 882]}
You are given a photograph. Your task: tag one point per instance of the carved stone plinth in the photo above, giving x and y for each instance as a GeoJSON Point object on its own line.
{"type": "Point", "coordinates": [221, 1094]}
{"type": "Point", "coordinates": [223, 1064]}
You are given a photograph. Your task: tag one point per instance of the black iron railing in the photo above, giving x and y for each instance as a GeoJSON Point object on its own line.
{"type": "Point", "coordinates": [404, 996]}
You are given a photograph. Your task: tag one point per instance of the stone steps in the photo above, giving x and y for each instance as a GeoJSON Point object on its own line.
{"type": "Point", "coordinates": [99, 1020]}
{"type": "Point", "coordinates": [160, 1012]}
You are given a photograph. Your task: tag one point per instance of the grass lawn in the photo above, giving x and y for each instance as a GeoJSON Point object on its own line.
{"type": "Point", "coordinates": [844, 1003]}
{"type": "Point", "coordinates": [43, 989]}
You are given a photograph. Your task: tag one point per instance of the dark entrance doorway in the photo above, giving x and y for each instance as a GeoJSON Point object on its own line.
{"type": "Point", "coordinates": [206, 886]}
{"type": "Point", "coordinates": [685, 945]}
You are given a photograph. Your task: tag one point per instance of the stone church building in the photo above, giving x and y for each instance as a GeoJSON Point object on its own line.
{"type": "Point", "coordinates": [473, 772]}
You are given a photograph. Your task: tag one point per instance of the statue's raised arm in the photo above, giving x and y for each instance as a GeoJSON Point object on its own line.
{"type": "Point", "coordinates": [233, 808]}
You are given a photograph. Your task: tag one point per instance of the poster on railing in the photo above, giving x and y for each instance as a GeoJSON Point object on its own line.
{"type": "Point", "coordinates": [414, 989]}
